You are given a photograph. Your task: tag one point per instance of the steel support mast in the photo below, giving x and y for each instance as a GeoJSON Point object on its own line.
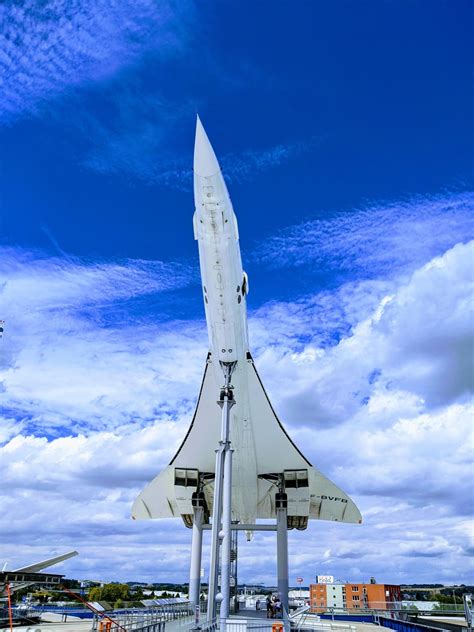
{"type": "Point", "coordinates": [281, 501]}
{"type": "Point", "coordinates": [196, 548]}
{"type": "Point", "coordinates": [222, 507]}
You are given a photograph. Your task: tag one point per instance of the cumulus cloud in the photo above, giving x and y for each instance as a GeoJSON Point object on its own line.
{"type": "Point", "coordinates": [67, 365]}
{"type": "Point", "coordinates": [416, 347]}
{"type": "Point", "coordinates": [49, 47]}
{"type": "Point", "coordinates": [94, 408]}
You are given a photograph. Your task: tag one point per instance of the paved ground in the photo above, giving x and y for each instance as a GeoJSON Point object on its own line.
{"type": "Point", "coordinates": [457, 620]}
{"type": "Point", "coordinates": [261, 616]}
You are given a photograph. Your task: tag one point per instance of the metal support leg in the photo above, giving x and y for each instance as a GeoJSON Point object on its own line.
{"type": "Point", "coordinates": [216, 527]}
{"type": "Point", "coordinates": [282, 548]}
{"type": "Point", "coordinates": [196, 557]}
{"type": "Point", "coordinates": [226, 540]}
{"type": "Point", "coordinates": [226, 402]}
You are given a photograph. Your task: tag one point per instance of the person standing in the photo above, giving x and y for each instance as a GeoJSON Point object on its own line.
{"type": "Point", "coordinates": [278, 607]}
{"type": "Point", "coordinates": [268, 601]}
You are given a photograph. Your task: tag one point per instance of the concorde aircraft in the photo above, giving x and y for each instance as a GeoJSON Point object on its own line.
{"type": "Point", "coordinates": [264, 455]}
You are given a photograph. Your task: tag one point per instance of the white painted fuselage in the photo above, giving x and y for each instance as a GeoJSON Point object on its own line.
{"type": "Point", "coordinates": [224, 283]}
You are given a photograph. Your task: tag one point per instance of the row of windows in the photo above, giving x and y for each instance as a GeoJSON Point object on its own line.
{"type": "Point", "coordinates": [323, 588]}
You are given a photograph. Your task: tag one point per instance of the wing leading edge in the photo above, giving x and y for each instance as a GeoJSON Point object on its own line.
{"type": "Point", "coordinates": [263, 454]}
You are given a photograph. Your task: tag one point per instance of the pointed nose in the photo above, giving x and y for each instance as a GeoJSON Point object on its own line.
{"type": "Point", "coordinates": [205, 161]}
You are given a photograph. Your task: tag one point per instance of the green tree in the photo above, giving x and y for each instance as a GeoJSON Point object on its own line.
{"type": "Point", "coordinates": [138, 594]}
{"type": "Point", "coordinates": [110, 593]}
{"type": "Point", "coordinates": [94, 594]}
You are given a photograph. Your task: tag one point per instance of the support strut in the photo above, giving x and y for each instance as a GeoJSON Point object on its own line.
{"type": "Point", "coordinates": [221, 529]}
{"type": "Point", "coordinates": [281, 501]}
{"type": "Point", "coordinates": [199, 505]}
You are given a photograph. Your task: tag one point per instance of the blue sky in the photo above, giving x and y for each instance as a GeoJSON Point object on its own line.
{"type": "Point", "coordinates": [344, 130]}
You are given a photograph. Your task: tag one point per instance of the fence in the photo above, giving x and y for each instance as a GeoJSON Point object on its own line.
{"type": "Point", "coordinates": [20, 615]}
{"type": "Point", "coordinates": [151, 619]}
{"type": "Point", "coordinates": [310, 621]}
{"type": "Point", "coordinates": [129, 622]}
{"type": "Point", "coordinates": [374, 607]}
{"type": "Point", "coordinates": [255, 625]}
{"type": "Point", "coordinates": [404, 626]}
{"type": "Point", "coordinates": [205, 626]}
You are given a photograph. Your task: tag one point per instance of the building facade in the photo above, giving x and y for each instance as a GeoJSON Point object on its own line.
{"type": "Point", "coordinates": [354, 596]}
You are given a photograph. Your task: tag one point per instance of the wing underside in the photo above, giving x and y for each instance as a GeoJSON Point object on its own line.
{"type": "Point", "coordinates": [263, 454]}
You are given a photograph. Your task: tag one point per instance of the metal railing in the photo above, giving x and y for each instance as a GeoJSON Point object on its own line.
{"type": "Point", "coordinates": [20, 613]}
{"type": "Point", "coordinates": [406, 626]}
{"type": "Point", "coordinates": [151, 619]}
{"type": "Point", "coordinates": [310, 621]}
{"type": "Point", "coordinates": [129, 622]}
{"type": "Point", "coordinates": [371, 607]}
{"type": "Point", "coordinates": [204, 626]}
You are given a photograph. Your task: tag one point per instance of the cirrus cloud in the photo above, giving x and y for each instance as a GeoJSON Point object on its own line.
{"type": "Point", "coordinates": [47, 48]}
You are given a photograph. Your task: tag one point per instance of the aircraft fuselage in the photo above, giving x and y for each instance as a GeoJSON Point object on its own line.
{"type": "Point", "coordinates": [224, 283]}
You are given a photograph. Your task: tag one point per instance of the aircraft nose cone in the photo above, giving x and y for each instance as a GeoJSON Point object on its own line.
{"type": "Point", "coordinates": [205, 161]}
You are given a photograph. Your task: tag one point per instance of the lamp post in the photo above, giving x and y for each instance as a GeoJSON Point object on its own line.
{"type": "Point", "coordinates": [299, 580]}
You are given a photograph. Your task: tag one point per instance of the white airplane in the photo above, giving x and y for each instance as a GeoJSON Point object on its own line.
{"type": "Point", "coordinates": [264, 455]}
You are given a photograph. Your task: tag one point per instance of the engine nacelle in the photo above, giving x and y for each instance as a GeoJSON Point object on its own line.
{"type": "Point", "coordinates": [297, 490]}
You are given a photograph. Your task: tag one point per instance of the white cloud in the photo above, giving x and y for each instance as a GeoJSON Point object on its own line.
{"type": "Point", "coordinates": [415, 348]}
{"type": "Point", "coordinates": [245, 166]}
{"type": "Point", "coordinates": [131, 140]}
{"type": "Point", "coordinates": [377, 241]}
{"type": "Point", "coordinates": [384, 411]}
{"type": "Point", "coordinates": [67, 366]}
{"type": "Point", "coordinates": [127, 147]}
{"type": "Point", "coordinates": [49, 47]}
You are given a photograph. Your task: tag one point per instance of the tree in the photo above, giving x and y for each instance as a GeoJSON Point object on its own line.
{"type": "Point", "coordinates": [138, 594]}
{"type": "Point", "coordinates": [94, 594]}
{"type": "Point", "coordinates": [110, 593]}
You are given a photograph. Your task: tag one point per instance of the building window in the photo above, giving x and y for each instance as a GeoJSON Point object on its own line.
{"type": "Point", "coordinates": [355, 588]}
{"type": "Point", "coordinates": [355, 598]}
